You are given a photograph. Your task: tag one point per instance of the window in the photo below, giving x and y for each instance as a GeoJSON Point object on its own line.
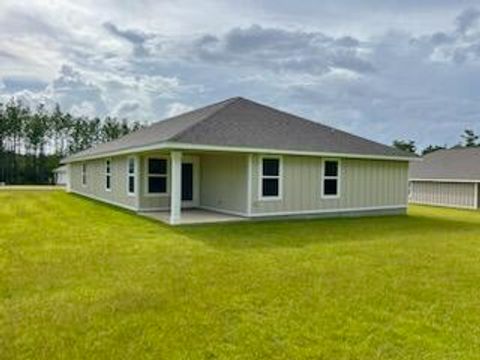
{"type": "Point", "coordinates": [157, 176]}
{"type": "Point", "coordinates": [270, 178]}
{"type": "Point", "coordinates": [108, 175]}
{"type": "Point", "coordinates": [84, 174]}
{"type": "Point", "coordinates": [330, 179]}
{"type": "Point", "coordinates": [131, 175]}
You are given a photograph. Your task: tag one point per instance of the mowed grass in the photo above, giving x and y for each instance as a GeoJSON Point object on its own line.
{"type": "Point", "coordinates": [82, 280]}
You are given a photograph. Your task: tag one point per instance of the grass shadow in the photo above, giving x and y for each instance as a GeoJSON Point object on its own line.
{"type": "Point", "coordinates": [300, 233]}
{"type": "Point", "coordinates": [297, 233]}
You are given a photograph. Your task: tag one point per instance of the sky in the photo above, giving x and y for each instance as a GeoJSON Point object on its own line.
{"type": "Point", "coordinates": [382, 69]}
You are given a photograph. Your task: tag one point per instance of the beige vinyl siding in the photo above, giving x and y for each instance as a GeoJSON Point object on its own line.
{"type": "Point", "coordinates": [223, 182]}
{"type": "Point", "coordinates": [478, 194]}
{"type": "Point", "coordinates": [95, 186]}
{"type": "Point", "coordinates": [452, 194]}
{"type": "Point", "coordinates": [363, 184]}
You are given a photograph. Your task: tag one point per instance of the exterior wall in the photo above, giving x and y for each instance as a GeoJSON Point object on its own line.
{"type": "Point", "coordinates": [95, 186]}
{"type": "Point", "coordinates": [60, 178]}
{"type": "Point", "coordinates": [478, 195]}
{"type": "Point", "coordinates": [462, 195]}
{"type": "Point", "coordinates": [364, 184]}
{"type": "Point", "coordinates": [223, 182]}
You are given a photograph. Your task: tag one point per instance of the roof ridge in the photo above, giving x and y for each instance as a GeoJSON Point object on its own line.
{"type": "Point", "coordinates": [226, 104]}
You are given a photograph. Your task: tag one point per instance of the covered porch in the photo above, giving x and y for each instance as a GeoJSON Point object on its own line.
{"type": "Point", "coordinates": [193, 216]}
{"type": "Point", "coordinates": [185, 187]}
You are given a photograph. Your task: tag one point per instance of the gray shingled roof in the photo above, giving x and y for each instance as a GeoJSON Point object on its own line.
{"type": "Point", "coordinates": [239, 122]}
{"type": "Point", "coordinates": [453, 164]}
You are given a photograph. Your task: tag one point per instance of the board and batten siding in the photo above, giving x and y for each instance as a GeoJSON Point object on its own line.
{"type": "Point", "coordinates": [451, 194]}
{"type": "Point", "coordinates": [364, 184]}
{"type": "Point", "coordinates": [95, 186]}
{"type": "Point", "coordinates": [223, 182]}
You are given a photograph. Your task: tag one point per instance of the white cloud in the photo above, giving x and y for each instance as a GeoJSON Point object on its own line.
{"type": "Point", "coordinates": [126, 107]}
{"type": "Point", "coordinates": [177, 108]}
{"type": "Point", "coordinates": [356, 65]}
{"type": "Point", "coordinates": [85, 108]}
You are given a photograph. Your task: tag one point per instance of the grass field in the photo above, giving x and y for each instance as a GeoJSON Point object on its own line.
{"type": "Point", "coordinates": [81, 280]}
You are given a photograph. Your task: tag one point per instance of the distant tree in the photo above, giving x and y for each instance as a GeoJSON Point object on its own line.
{"type": "Point", "coordinates": [3, 138]}
{"type": "Point", "coordinates": [84, 133]}
{"type": "Point", "coordinates": [124, 127]}
{"type": "Point", "coordinates": [32, 142]}
{"type": "Point", "coordinates": [93, 132]}
{"type": "Point", "coordinates": [135, 126]}
{"type": "Point", "coordinates": [405, 145]}
{"type": "Point", "coordinates": [59, 126]}
{"type": "Point", "coordinates": [432, 148]}
{"type": "Point", "coordinates": [35, 133]}
{"type": "Point", "coordinates": [3, 128]}
{"type": "Point", "coordinates": [16, 115]}
{"type": "Point", "coordinates": [111, 129]}
{"type": "Point", "coordinates": [469, 138]}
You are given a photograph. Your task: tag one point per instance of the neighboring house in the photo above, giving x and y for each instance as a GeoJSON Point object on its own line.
{"type": "Point", "coordinates": [245, 159]}
{"type": "Point", "coordinates": [447, 178]}
{"type": "Point", "coordinates": [60, 175]}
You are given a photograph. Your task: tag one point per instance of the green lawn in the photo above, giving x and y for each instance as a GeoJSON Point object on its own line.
{"type": "Point", "coordinates": [82, 280]}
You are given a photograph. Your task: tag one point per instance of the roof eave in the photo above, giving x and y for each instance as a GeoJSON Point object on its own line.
{"type": "Point", "coordinates": [200, 147]}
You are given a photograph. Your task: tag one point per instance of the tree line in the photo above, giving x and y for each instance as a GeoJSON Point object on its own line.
{"type": "Point", "coordinates": [468, 139]}
{"type": "Point", "coordinates": [32, 141]}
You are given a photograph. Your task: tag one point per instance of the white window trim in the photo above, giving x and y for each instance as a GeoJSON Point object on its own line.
{"type": "Point", "coordinates": [134, 175]}
{"type": "Point", "coordinates": [261, 177]}
{"type": "Point", "coordinates": [83, 179]}
{"type": "Point", "coordinates": [109, 173]}
{"type": "Point", "coordinates": [338, 178]}
{"type": "Point", "coordinates": [167, 175]}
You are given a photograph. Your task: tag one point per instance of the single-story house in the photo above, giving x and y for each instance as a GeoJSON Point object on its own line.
{"type": "Point", "coordinates": [60, 175]}
{"type": "Point", "coordinates": [447, 178]}
{"type": "Point", "coordinates": [244, 159]}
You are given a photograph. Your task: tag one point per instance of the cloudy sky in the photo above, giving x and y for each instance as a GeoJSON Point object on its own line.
{"type": "Point", "coordinates": [383, 69]}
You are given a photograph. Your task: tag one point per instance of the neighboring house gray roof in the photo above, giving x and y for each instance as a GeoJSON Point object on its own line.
{"type": "Point", "coordinates": [451, 164]}
{"type": "Point", "coordinates": [240, 122]}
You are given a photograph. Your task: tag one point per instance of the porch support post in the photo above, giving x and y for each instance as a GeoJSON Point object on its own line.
{"type": "Point", "coordinates": [175, 191]}
{"type": "Point", "coordinates": [249, 183]}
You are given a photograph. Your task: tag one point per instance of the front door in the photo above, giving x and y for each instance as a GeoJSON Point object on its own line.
{"type": "Point", "coordinates": [190, 181]}
{"type": "Point", "coordinates": [187, 182]}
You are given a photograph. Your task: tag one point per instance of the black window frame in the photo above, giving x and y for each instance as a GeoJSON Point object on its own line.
{"type": "Point", "coordinates": [84, 174]}
{"type": "Point", "coordinates": [270, 174]}
{"type": "Point", "coordinates": [131, 176]}
{"type": "Point", "coordinates": [108, 175]}
{"type": "Point", "coordinates": [331, 175]}
{"type": "Point", "coordinates": [162, 174]}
